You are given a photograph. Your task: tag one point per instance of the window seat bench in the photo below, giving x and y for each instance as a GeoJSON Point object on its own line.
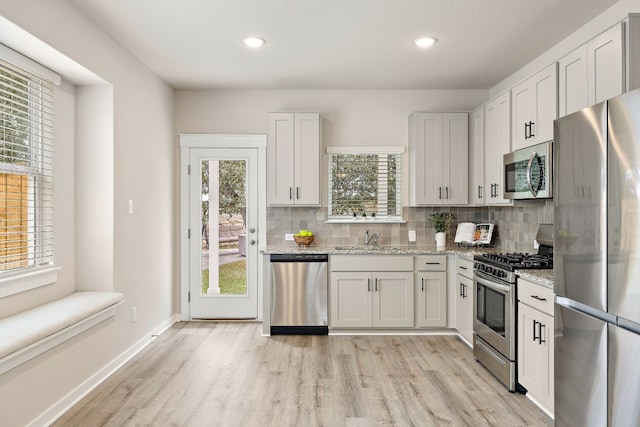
{"type": "Point", "coordinates": [26, 335]}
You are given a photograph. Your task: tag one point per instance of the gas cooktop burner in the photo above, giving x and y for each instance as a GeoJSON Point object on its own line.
{"type": "Point", "coordinates": [514, 261]}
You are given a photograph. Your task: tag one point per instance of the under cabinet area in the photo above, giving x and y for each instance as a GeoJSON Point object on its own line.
{"type": "Point", "coordinates": [464, 299]}
{"type": "Point", "coordinates": [371, 291]}
{"type": "Point", "coordinates": [536, 342]}
{"type": "Point", "coordinates": [431, 291]}
{"type": "Point", "coordinates": [438, 156]}
{"type": "Point", "coordinates": [293, 157]}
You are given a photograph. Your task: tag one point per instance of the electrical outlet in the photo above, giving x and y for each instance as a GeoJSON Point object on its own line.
{"type": "Point", "coordinates": [134, 315]}
{"type": "Point", "coordinates": [412, 235]}
{"type": "Point", "coordinates": [288, 236]}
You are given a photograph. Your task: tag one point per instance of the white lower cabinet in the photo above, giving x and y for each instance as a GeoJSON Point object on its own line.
{"type": "Point", "coordinates": [431, 291]}
{"type": "Point", "coordinates": [464, 300]}
{"type": "Point", "coordinates": [536, 342]}
{"type": "Point", "coordinates": [364, 296]}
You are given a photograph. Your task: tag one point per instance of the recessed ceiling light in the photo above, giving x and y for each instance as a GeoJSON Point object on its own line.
{"type": "Point", "coordinates": [425, 41]}
{"type": "Point", "coordinates": [253, 42]}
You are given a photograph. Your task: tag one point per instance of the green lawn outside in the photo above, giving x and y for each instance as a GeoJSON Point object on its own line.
{"type": "Point", "coordinates": [233, 278]}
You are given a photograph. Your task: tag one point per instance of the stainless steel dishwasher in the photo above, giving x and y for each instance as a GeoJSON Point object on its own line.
{"type": "Point", "coordinates": [299, 294]}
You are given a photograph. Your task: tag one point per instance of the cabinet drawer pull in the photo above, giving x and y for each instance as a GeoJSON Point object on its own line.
{"type": "Point", "coordinates": [432, 263]}
{"type": "Point", "coordinates": [462, 267]}
{"type": "Point", "coordinates": [538, 298]}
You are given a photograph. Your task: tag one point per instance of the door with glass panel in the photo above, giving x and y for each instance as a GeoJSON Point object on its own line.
{"type": "Point", "coordinates": [222, 222]}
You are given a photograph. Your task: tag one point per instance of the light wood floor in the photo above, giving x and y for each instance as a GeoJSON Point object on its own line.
{"type": "Point", "coordinates": [227, 374]}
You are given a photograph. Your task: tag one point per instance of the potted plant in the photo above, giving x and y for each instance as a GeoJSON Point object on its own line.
{"type": "Point", "coordinates": [441, 221]}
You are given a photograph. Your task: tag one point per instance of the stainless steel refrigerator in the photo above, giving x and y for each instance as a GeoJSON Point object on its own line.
{"type": "Point", "coordinates": [597, 264]}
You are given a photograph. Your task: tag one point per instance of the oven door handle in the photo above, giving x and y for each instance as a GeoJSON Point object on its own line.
{"type": "Point", "coordinates": [504, 289]}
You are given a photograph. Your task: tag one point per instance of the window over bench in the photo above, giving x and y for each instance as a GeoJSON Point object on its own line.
{"type": "Point", "coordinates": [26, 166]}
{"type": "Point", "coordinates": [365, 184]}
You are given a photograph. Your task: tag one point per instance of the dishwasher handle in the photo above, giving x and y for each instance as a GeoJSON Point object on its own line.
{"type": "Point", "coordinates": [299, 257]}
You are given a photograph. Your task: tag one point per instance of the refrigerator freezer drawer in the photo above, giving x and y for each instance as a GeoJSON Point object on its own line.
{"type": "Point", "coordinates": [624, 377]}
{"type": "Point", "coordinates": [580, 369]}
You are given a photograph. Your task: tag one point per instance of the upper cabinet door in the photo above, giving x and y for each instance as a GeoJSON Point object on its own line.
{"type": "Point", "coordinates": [477, 190]}
{"type": "Point", "coordinates": [497, 119]}
{"type": "Point", "coordinates": [456, 159]}
{"type": "Point", "coordinates": [281, 159]}
{"type": "Point", "coordinates": [605, 77]}
{"type": "Point", "coordinates": [572, 82]}
{"type": "Point", "coordinates": [307, 163]}
{"type": "Point", "coordinates": [293, 156]}
{"type": "Point", "coordinates": [534, 108]}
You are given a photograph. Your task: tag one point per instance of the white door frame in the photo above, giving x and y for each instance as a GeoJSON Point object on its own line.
{"type": "Point", "coordinates": [188, 141]}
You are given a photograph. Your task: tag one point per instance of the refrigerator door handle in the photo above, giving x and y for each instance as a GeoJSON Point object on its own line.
{"type": "Point", "coordinates": [629, 325]}
{"type": "Point", "coordinates": [585, 309]}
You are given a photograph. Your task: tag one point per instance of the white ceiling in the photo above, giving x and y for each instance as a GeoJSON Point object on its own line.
{"type": "Point", "coordinates": [339, 44]}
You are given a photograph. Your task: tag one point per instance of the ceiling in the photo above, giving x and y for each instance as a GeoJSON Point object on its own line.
{"type": "Point", "coordinates": [339, 44]}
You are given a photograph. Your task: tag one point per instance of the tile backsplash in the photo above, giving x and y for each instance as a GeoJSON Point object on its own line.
{"type": "Point", "coordinates": [515, 226]}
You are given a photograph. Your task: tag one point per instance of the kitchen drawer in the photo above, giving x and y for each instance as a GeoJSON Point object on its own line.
{"type": "Point", "coordinates": [535, 296]}
{"type": "Point", "coordinates": [371, 263]}
{"type": "Point", "coordinates": [464, 267]}
{"type": "Point", "coordinates": [431, 263]}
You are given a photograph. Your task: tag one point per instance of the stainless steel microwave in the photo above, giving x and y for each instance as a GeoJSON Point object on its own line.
{"type": "Point", "coordinates": [528, 172]}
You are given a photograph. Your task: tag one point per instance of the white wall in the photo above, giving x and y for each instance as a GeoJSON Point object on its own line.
{"type": "Point", "coordinates": [132, 128]}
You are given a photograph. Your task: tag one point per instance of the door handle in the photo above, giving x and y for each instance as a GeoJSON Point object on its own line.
{"type": "Point", "coordinates": [540, 326]}
{"type": "Point", "coordinates": [423, 284]}
{"type": "Point", "coordinates": [376, 285]}
{"type": "Point", "coordinates": [526, 133]}
{"type": "Point", "coordinates": [464, 291]}
{"type": "Point", "coordinates": [479, 192]}
{"type": "Point", "coordinates": [439, 192]}
{"type": "Point", "coordinates": [447, 192]}
{"type": "Point", "coordinates": [534, 330]}
{"type": "Point", "coordinates": [290, 193]}
{"type": "Point", "coordinates": [531, 134]}
{"type": "Point", "coordinates": [297, 193]}
{"type": "Point", "coordinates": [368, 285]}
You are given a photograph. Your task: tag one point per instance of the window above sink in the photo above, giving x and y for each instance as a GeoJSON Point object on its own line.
{"type": "Point", "coordinates": [365, 184]}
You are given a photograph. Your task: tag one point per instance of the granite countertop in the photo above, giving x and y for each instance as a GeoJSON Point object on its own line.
{"type": "Point", "coordinates": [466, 252]}
{"type": "Point", "coordinates": [541, 277]}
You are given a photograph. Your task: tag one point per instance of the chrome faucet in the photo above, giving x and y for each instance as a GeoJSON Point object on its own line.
{"type": "Point", "coordinates": [368, 239]}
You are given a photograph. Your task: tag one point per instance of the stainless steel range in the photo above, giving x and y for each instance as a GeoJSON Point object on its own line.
{"type": "Point", "coordinates": [494, 323]}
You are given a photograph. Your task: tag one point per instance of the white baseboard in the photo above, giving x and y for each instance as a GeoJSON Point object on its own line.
{"type": "Point", "coordinates": [63, 405]}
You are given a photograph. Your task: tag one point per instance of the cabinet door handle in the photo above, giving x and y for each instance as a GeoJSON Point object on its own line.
{"type": "Point", "coordinates": [538, 298]}
{"type": "Point", "coordinates": [526, 130]}
{"type": "Point", "coordinates": [479, 191]}
{"type": "Point", "coordinates": [290, 193]}
{"type": "Point", "coordinates": [447, 192]}
{"type": "Point", "coordinates": [460, 289]}
{"type": "Point", "coordinates": [376, 284]}
{"type": "Point", "coordinates": [496, 190]}
{"type": "Point", "coordinates": [368, 285]}
{"type": "Point", "coordinates": [297, 193]}
{"type": "Point", "coordinates": [439, 192]}
{"type": "Point", "coordinates": [531, 125]}
{"type": "Point", "coordinates": [540, 326]}
{"type": "Point", "coordinates": [423, 284]}
{"type": "Point", "coordinates": [464, 291]}
{"type": "Point", "coordinates": [534, 330]}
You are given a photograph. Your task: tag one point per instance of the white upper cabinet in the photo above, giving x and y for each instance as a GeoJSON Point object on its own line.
{"type": "Point", "coordinates": [592, 73]}
{"type": "Point", "coordinates": [497, 143]}
{"type": "Point", "coordinates": [534, 108]}
{"type": "Point", "coordinates": [477, 191]}
{"type": "Point", "coordinates": [293, 156]}
{"type": "Point", "coordinates": [438, 156]}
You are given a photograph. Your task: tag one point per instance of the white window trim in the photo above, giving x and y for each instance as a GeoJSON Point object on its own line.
{"type": "Point", "coordinates": [366, 150]}
{"type": "Point", "coordinates": [32, 279]}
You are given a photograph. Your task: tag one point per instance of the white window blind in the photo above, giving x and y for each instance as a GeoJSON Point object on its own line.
{"type": "Point", "coordinates": [26, 169]}
{"type": "Point", "coordinates": [365, 184]}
